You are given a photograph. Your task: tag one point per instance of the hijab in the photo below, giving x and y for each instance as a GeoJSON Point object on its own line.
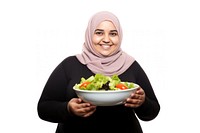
{"type": "Point", "coordinates": [116, 63]}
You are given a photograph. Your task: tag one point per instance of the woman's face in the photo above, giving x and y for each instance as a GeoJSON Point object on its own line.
{"type": "Point", "coordinates": [105, 39]}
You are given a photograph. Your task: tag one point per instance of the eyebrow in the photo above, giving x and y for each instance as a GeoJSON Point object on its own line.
{"type": "Point", "coordinates": [98, 30]}
{"type": "Point", "coordinates": [113, 31]}
{"type": "Point", "coordinates": [103, 30]}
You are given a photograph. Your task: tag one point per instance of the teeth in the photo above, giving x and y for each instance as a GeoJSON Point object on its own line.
{"type": "Point", "coordinates": [105, 47]}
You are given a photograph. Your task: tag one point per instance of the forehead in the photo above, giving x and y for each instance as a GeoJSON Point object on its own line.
{"type": "Point", "coordinates": [106, 25]}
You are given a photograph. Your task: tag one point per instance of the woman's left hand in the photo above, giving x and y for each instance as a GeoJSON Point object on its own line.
{"type": "Point", "coordinates": [136, 99]}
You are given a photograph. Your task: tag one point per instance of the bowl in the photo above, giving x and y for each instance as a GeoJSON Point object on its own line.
{"type": "Point", "coordinates": [105, 97]}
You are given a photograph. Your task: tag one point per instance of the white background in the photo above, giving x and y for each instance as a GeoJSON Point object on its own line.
{"type": "Point", "coordinates": [36, 35]}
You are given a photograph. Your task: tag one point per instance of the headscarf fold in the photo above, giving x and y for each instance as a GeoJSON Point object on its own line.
{"type": "Point", "coordinates": [117, 63]}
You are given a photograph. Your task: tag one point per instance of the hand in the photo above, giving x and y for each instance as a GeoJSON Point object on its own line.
{"type": "Point", "coordinates": [80, 108]}
{"type": "Point", "coordinates": [136, 99]}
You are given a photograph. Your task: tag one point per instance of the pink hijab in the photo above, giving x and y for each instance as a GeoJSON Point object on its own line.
{"type": "Point", "coordinates": [117, 63]}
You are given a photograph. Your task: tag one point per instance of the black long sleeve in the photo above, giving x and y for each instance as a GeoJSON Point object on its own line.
{"type": "Point", "coordinates": [52, 104]}
{"type": "Point", "coordinates": [58, 90]}
{"type": "Point", "coordinates": [151, 107]}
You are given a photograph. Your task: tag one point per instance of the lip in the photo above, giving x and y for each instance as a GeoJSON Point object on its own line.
{"type": "Point", "coordinates": [105, 46]}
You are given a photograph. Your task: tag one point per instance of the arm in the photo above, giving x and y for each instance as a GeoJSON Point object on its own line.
{"type": "Point", "coordinates": [52, 105]}
{"type": "Point", "coordinates": [150, 108]}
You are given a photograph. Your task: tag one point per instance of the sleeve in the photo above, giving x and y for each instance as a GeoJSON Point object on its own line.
{"type": "Point", "coordinates": [151, 107]}
{"type": "Point", "coordinates": [52, 105]}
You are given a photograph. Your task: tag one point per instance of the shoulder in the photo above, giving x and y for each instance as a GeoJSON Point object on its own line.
{"type": "Point", "coordinates": [135, 68]}
{"type": "Point", "coordinates": [73, 68]}
{"type": "Point", "coordinates": [70, 60]}
{"type": "Point", "coordinates": [135, 65]}
{"type": "Point", "coordinates": [71, 63]}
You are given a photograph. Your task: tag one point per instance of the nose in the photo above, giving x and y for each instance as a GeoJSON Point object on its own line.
{"type": "Point", "coordinates": [106, 39]}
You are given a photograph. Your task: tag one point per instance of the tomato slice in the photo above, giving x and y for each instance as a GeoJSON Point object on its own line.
{"type": "Point", "coordinates": [84, 84]}
{"type": "Point", "coordinates": [121, 86]}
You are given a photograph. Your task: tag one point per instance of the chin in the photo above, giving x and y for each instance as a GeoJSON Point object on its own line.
{"type": "Point", "coordinates": [105, 54]}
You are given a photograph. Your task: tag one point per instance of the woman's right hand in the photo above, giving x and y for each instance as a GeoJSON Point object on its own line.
{"type": "Point", "coordinates": [78, 107]}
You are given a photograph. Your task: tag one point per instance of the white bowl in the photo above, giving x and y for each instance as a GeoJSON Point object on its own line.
{"type": "Point", "coordinates": [105, 98]}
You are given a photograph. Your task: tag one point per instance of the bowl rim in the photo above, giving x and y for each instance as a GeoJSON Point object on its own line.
{"type": "Point", "coordinates": [103, 91]}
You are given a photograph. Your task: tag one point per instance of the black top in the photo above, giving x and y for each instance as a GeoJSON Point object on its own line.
{"type": "Point", "coordinates": [58, 91]}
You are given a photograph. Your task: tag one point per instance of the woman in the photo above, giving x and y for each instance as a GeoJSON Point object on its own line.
{"type": "Point", "coordinates": [101, 54]}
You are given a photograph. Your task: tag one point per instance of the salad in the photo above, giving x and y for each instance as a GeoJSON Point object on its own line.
{"type": "Point", "coordinates": [102, 82]}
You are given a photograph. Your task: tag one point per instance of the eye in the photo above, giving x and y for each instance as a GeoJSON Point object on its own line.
{"type": "Point", "coordinates": [98, 33]}
{"type": "Point", "coordinates": [113, 34]}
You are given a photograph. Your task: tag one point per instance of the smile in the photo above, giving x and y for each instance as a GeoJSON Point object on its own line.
{"type": "Point", "coordinates": [105, 46]}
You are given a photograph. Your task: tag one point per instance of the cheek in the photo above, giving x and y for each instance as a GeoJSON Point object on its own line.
{"type": "Point", "coordinates": [115, 41]}
{"type": "Point", "coordinates": [96, 40]}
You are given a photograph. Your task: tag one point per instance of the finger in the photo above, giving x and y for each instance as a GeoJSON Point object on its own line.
{"type": "Point", "coordinates": [135, 96]}
{"type": "Point", "coordinates": [133, 102]}
{"type": "Point", "coordinates": [89, 113]}
{"type": "Point", "coordinates": [140, 97]}
{"type": "Point", "coordinates": [140, 91]}
{"type": "Point", "coordinates": [85, 108]}
{"type": "Point", "coordinates": [80, 100]}
{"type": "Point", "coordinates": [76, 100]}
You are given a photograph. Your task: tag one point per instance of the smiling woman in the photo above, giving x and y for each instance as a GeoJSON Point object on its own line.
{"type": "Point", "coordinates": [102, 48]}
{"type": "Point", "coordinates": [105, 38]}
{"type": "Point", "coordinates": [102, 54]}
